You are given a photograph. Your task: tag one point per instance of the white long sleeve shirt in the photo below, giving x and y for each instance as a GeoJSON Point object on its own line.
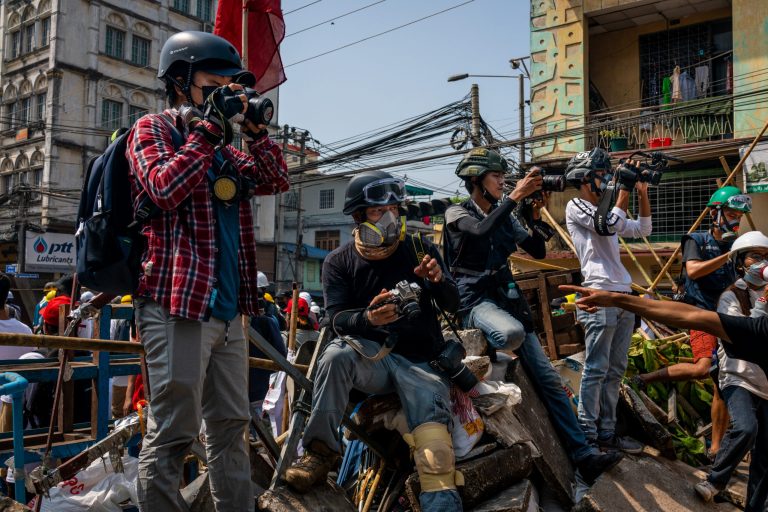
{"type": "Point", "coordinates": [737, 372]}
{"type": "Point", "coordinates": [599, 255]}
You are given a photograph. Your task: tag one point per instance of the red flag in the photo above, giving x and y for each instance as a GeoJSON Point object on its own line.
{"type": "Point", "coordinates": [266, 30]}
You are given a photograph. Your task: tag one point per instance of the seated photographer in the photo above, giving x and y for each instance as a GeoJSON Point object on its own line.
{"type": "Point", "coordinates": [743, 337]}
{"type": "Point", "coordinates": [607, 335]}
{"type": "Point", "coordinates": [358, 282]}
{"type": "Point", "coordinates": [481, 233]}
{"type": "Point", "coordinates": [707, 272]}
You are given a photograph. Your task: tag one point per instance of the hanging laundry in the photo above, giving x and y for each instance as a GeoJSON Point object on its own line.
{"type": "Point", "coordinates": [666, 91]}
{"type": "Point", "coordinates": [677, 94]}
{"type": "Point", "coordinates": [729, 76]}
{"type": "Point", "coordinates": [702, 80]}
{"type": "Point", "coordinates": [687, 86]}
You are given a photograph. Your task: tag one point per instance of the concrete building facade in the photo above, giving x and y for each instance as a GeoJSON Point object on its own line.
{"type": "Point", "coordinates": [70, 74]}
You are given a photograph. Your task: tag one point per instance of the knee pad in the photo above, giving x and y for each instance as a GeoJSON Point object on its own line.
{"type": "Point", "coordinates": [432, 451]}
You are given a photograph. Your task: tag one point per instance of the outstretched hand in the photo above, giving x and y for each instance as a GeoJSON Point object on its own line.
{"type": "Point", "coordinates": [429, 269]}
{"type": "Point", "coordinates": [591, 299]}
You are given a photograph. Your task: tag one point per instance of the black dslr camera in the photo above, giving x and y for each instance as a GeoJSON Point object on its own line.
{"type": "Point", "coordinates": [260, 109]}
{"type": "Point", "coordinates": [405, 297]}
{"type": "Point", "coordinates": [449, 362]}
{"type": "Point", "coordinates": [524, 210]}
{"type": "Point", "coordinates": [648, 170]}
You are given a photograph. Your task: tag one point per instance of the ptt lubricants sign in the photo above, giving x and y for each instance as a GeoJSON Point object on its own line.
{"type": "Point", "coordinates": [49, 252]}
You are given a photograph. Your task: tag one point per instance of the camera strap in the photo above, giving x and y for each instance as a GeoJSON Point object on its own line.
{"type": "Point", "coordinates": [603, 209]}
{"type": "Point", "coordinates": [419, 252]}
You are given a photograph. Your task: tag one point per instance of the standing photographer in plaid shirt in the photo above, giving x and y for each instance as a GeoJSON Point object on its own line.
{"type": "Point", "coordinates": [199, 268]}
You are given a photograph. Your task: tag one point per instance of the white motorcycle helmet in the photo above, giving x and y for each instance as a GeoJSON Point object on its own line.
{"type": "Point", "coordinates": [747, 242]}
{"type": "Point", "coordinates": [261, 280]}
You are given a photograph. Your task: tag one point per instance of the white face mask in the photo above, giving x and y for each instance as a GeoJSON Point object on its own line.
{"type": "Point", "coordinates": [755, 274]}
{"type": "Point", "coordinates": [385, 231]}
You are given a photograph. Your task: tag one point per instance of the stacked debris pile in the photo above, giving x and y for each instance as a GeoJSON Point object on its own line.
{"type": "Point", "coordinates": [683, 407]}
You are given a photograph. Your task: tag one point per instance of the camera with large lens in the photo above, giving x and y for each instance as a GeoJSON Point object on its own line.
{"type": "Point", "coordinates": [549, 182]}
{"type": "Point", "coordinates": [650, 169]}
{"type": "Point", "coordinates": [450, 362]}
{"type": "Point", "coordinates": [524, 210]}
{"type": "Point", "coordinates": [260, 108]}
{"type": "Point", "coordinates": [405, 297]}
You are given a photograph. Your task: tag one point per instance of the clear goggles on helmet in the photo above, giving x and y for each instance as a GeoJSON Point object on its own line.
{"type": "Point", "coordinates": [740, 202]}
{"type": "Point", "coordinates": [384, 191]}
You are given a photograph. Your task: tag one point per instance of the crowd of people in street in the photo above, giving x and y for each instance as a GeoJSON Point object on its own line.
{"type": "Point", "coordinates": [384, 294]}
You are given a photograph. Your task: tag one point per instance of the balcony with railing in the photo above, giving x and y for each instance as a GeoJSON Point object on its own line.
{"type": "Point", "coordinates": [676, 124]}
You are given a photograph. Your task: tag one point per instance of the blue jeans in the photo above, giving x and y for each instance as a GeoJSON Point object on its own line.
{"type": "Point", "coordinates": [748, 431]}
{"type": "Point", "coordinates": [607, 335]}
{"type": "Point", "coordinates": [497, 325]}
{"type": "Point", "coordinates": [424, 395]}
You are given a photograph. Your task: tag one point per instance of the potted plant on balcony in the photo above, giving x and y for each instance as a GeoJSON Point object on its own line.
{"type": "Point", "coordinates": [616, 140]}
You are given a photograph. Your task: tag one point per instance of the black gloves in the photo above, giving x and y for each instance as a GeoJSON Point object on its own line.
{"type": "Point", "coordinates": [222, 108]}
{"type": "Point", "coordinates": [627, 177]}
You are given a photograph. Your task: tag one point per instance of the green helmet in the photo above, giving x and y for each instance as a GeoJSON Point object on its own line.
{"type": "Point", "coordinates": [480, 161]}
{"type": "Point", "coordinates": [731, 197]}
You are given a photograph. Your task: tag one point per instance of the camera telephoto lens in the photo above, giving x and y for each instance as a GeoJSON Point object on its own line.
{"type": "Point", "coordinates": [553, 183]}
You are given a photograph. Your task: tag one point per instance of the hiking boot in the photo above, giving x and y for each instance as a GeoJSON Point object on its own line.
{"type": "Point", "coordinates": [706, 490]}
{"type": "Point", "coordinates": [623, 444]}
{"type": "Point", "coordinates": [597, 463]}
{"type": "Point", "coordinates": [312, 468]}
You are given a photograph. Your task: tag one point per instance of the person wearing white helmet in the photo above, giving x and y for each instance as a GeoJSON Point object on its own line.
{"type": "Point", "coordinates": [743, 384]}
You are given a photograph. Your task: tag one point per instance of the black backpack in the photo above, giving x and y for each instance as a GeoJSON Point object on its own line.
{"type": "Point", "coordinates": [108, 239]}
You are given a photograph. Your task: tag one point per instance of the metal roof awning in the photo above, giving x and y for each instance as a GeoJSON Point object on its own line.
{"type": "Point", "coordinates": [307, 251]}
{"type": "Point", "coordinates": [418, 191]}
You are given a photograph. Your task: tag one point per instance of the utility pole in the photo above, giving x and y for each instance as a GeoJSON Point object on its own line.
{"type": "Point", "coordinates": [475, 104]}
{"type": "Point", "coordinates": [279, 217]}
{"type": "Point", "coordinates": [522, 119]}
{"type": "Point", "coordinates": [298, 274]}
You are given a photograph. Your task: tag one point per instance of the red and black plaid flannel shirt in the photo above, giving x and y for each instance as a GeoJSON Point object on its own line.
{"type": "Point", "coordinates": [179, 260]}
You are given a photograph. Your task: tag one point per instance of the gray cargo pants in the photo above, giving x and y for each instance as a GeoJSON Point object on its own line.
{"type": "Point", "coordinates": [424, 394]}
{"type": "Point", "coordinates": [193, 374]}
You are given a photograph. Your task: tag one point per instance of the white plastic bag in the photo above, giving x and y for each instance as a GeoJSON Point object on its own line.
{"type": "Point", "coordinates": [468, 426]}
{"type": "Point", "coordinates": [96, 488]}
{"type": "Point", "coordinates": [274, 400]}
{"type": "Point", "coordinates": [514, 395]}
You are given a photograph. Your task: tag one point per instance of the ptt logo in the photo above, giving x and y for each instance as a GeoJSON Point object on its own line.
{"type": "Point", "coordinates": [42, 247]}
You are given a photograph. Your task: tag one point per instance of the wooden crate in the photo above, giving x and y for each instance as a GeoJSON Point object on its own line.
{"type": "Point", "coordinates": [561, 335]}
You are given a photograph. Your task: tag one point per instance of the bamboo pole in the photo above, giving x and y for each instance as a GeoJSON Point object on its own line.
{"type": "Point", "coordinates": [68, 343]}
{"type": "Point", "coordinates": [654, 253]}
{"type": "Point", "coordinates": [537, 263]}
{"type": "Point", "coordinates": [244, 49]}
{"type": "Point", "coordinates": [560, 231]}
{"type": "Point", "coordinates": [268, 364]}
{"type": "Point", "coordinates": [291, 348]}
{"type": "Point", "coordinates": [703, 214]}
{"type": "Point", "coordinates": [374, 486]}
{"type": "Point", "coordinates": [727, 170]}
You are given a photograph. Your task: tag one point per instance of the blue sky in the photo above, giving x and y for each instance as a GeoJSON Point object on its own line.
{"type": "Point", "coordinates": [402, 73]}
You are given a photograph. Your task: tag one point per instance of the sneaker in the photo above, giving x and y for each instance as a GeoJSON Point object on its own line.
{"type": "Point", "coordinates": [619, 443]}
{"type": "Point", "coordinates": [312, 468]}
{"type": "Point", "coordinates": [706, 490]}
{"type": "Point", "coordinates": [597, 463]}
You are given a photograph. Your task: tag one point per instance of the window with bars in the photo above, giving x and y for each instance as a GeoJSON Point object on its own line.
{"type": "Point", "coordinates": [115, 41]}
{"type": "Point", "coordinates": [181, 5]}
{"type": "Point", "coordinates": [289, 201]}
{"type": "Point", "coordinates": [111, 114]}
{"type": "Point", "coordinates": [45, 31]}
{"type": "Point", "coordinates": [134, 113]}
{"type": "Point", "coordinates": [677, 202]}
{"type": "Point", "coordinates": [29, 38]}
{"type": "Point", "coordinates": [326, 199]}
{"type": "Point", "coordinates": [690, 47]}
{"type": "Point", "coordinates": [205, 10]}
{"type": "Point", "coordinates": [25, 111]}
{"type": "Point", "coordinates": [13, 114]}
{"type": "Point", "coordinates": [15, 45]}
{"type": "Point", "coordinates": [140, 51]}
{"type": "Point", "coordinates": [41, 106]}
{"type": "Point", "coordinates": [327, 240]}
{"type": "Point", "coordinates": [8, 182]}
